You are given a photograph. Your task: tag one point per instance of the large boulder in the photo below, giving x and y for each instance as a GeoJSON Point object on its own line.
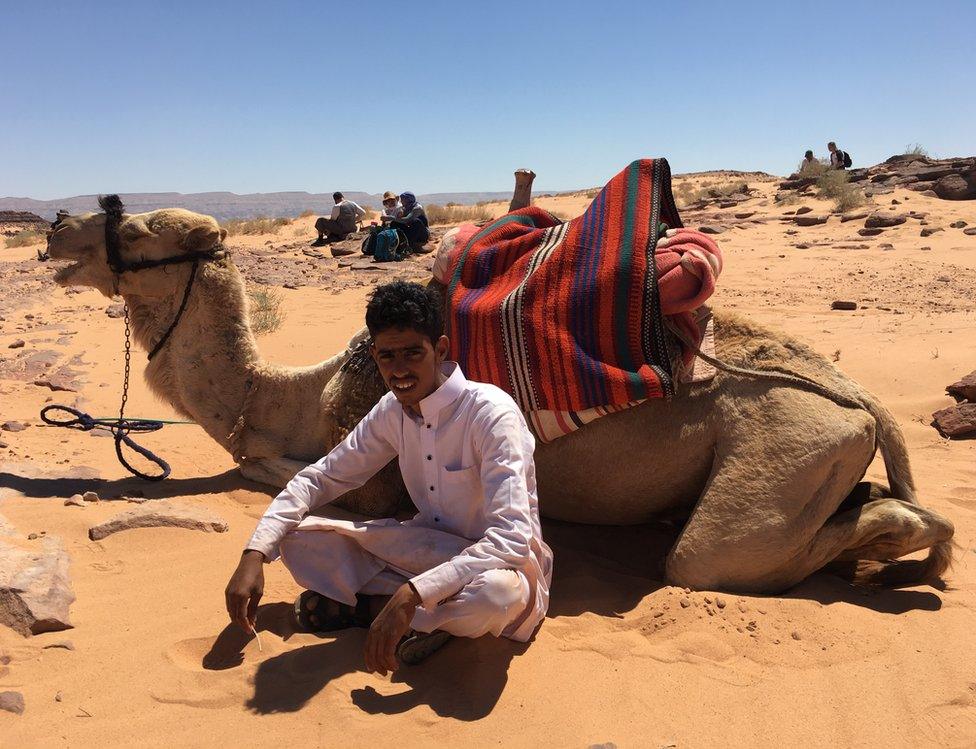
{"type": "Point", "coordinates": [965, 389]}
{"type": "Point", "coordinates": [35, 590]}
{"type": "Point", "coordinates": [957, 421]}
{"type": "Point", "coordinates": [954, 187]}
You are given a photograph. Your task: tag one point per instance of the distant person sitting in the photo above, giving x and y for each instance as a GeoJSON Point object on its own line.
{"type": "Point", "coordinates": [391, 205]}
{"type": "Point", "coordinates": [809, 163]}
{"type": "Point", "coordinates": [412, 221]}
{"type": "Point", "coordinates": [345, 215]}
{"type": "Point", "coordinates": [838, 159]}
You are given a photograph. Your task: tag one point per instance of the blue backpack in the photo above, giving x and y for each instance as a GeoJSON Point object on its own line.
{"type": "Point", "coordinates": [390, 245]}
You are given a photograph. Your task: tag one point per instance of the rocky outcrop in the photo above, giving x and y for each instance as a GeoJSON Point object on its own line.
{"type": "Point", "coordinates": [964, 389]}
{"type": "Point", "coordinates": [159, 514]}
{"type": "Point", "coordinates": [949, 179]}
{"type": "Point", "coordinates": [35, 590]}
{"type": "Point", "coordinates": [959, 421]}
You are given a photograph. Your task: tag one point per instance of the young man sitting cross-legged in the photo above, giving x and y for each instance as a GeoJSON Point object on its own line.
{"type": "Point", "coordinates": [471, 562]}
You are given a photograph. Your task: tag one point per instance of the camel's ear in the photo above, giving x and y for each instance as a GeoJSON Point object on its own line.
{"type": "Point", "coordinates": [134, 231]}
{"type": "Point", "coordinates": [203, 237]}
{"type": "Point", "coordinates": [223, 234]}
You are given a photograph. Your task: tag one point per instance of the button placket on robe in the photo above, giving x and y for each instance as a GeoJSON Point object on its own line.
{"type": "Point", "coordinates": [428, 438]}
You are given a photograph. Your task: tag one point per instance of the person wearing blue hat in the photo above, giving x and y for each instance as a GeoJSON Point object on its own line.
{"type": "Point", "coordinates": [412, 221]}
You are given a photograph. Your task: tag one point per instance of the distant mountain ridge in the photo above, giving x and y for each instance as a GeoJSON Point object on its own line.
{"type": "Point", "coordinates": [228, 205]}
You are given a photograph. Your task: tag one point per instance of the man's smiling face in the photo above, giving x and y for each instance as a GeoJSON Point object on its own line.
{"type": "Point", "coordinates": [409, 363]}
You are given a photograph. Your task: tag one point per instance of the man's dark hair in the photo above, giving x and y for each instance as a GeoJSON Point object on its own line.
{"type": "Point", "coordinates": [808, 155]}
{"type": "Point", "coordinates": [405, 305]}
{"type": "Point", "coordinates": [337, 196]}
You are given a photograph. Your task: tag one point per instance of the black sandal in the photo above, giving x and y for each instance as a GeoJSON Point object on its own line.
{"type": "Point", "coordinates": [417, 646]}
{"type": "Point", "coordinates": [318, 613]}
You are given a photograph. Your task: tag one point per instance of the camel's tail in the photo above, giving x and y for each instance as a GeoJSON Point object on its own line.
{"type": "Point", "coordinates": [894, 451]}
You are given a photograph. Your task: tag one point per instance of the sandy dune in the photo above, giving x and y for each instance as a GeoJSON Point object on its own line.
{"type": "Point", "coordinates": [620, 659]}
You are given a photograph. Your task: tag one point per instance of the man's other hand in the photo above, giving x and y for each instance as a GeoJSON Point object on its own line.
{"type": "Point", "coordinates": [388, 628]}
{"type": "Point", "coordinates": [244, 591]}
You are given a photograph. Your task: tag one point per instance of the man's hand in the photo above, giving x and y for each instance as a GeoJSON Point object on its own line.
{"type": "Point", "coordinates": [244, 591]}
{"type": "Point", "coordinates": [389, 626]}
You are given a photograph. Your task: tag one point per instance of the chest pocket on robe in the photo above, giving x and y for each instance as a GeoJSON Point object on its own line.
{"type": "Point", "coordinates": [462, 501]}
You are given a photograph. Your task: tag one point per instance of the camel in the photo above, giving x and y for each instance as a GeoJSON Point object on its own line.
{"type": "Point", "coordinates": [769, 473]}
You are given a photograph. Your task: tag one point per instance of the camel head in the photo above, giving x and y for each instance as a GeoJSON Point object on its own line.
{"type": "Point", "coordinates": [152, 236]}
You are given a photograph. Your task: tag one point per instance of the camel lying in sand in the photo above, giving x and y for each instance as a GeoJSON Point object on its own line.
{"type": "Point", "coordinates": [769, 473]}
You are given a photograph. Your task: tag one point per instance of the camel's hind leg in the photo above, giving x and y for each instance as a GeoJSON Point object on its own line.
{"type": "Point", "coordinates": [766, 523]}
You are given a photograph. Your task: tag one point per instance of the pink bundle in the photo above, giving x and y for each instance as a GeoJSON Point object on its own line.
{"type": "Point", "coordinates": [688, 264]}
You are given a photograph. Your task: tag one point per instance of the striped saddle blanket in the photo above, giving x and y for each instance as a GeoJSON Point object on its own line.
{"type": "Point", "coordinates": [574, 317]}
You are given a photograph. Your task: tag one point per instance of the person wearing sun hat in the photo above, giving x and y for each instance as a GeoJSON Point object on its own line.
{"type": "Point", "coordinates": [412, 221]}
{"type": "Point", "coordinates": [391, 205]}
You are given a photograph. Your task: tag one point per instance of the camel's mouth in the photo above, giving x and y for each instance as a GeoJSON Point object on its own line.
{"type": "Point", "coordinates": [62, 276]}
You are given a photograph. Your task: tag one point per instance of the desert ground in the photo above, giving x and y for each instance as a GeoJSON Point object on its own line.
{"type": "Point", "coordinates": [622, 659]}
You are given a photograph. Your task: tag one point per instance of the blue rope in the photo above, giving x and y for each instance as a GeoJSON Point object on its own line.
{"type": "Point", "coordinates": [120, 428]}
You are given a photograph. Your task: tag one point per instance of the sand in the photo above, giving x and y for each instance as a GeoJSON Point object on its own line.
{"type": "Point", "coordinates": [622, 659]}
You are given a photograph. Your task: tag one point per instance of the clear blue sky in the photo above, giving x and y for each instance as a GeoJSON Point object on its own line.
{"type": "Point", "coordinates": [435, 96]}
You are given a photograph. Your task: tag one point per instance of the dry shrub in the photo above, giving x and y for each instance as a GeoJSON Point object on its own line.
{"type": "Point", "coordinates": [915, 149]}
{"type": "Point", "coordinates": [456, 214]}
{"type": "Point", "coordinates": [834, 185]}
{"type": "Point", "coordinates": [686, 193]}
{"type": "Point", "coordinates": [590, 194]}
{"type": "Point", "coordinates": [306, 214]}
{"type": "Point", "coordinates": [259, 225]}
{"type": "Point", "coordinates": [25, 238]}
{"type": "Point", "coordinates": [264, 309]}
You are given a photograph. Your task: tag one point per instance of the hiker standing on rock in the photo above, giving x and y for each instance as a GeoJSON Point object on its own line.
{"type": "Point", "coordinates": [345, 215]}
{"type": "Point", "coordinates": [470, 562]}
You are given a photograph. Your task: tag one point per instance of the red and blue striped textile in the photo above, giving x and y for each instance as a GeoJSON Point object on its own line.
{"type": "Point", "coordinates": [566, 316]}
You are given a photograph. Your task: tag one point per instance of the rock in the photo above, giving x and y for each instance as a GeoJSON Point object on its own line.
{"type": "Point", "coordinates": [159, 514]}
{"type": "Point", "coordinates": [720, 602]}
{"type": "Point", "coordinates": [61, 645]}
{"type": "Point", "coordinates": [954, 187]}
{"type": "Point", "coordinates": [343, 251]}
{"type": "Point", "coordinates": [809, 220]}
{"type": "Point", "coordinates": [886, 246]}
{"type": "Point", "coordinates": [90, 497]}
{"type": "Point", "coordinates": [707, 229]}
{"type": "Point", "coordinates": [13, 426]}
{"type": "Point", "coordinates": [35, 591]}
{"type": "Point", "coordinates": [929, 194]}
{"type": "Point", "coordinates": [838, 304]}
{"type": "Point", "coordinates": [964, 389]}
{"type": "Point", "coordinates": [971, 231]}
{"type": "Point", "coordinates": [19, 343]}
{"type": "Point", "coordinates": [795, 635]}
{"type": "Point", "coordinates": [955, 225]}
{"type": "Point", "coordinates": [956, 421]}
{"type": "Point", "coordinates": [12, 702]}
{"type": "Point", "coordinates": [58, 381]}
{"type": "Point", "coordinates": [852, 217]}
{"type": "Point", "coordinates": [115, 310]}
{"type": "Point", "coordinates": [803, 246]}
{"type": "Point", "coordinates": [881, 220]}
{"type": "Point", "coordinates": [928, 231]}
{"type": "Point", "coordinates": [75, 500]}
{"type": "Point", "coordinates": [685, 602]}
{"type": "Point", "coordinates": [745, 214]}
{"type": "Point", "coordinates": [803, 209]}
{"type": "Point", "coordinates": [869, 232]}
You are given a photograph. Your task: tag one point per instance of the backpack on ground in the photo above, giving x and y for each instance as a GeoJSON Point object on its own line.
{"type": "Point", "coordinates": [391, 245]}
{"type": "Point", "coordinates": [847, 159]}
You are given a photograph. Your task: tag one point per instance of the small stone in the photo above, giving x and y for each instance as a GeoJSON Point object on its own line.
{"type": "Point", "coordinates": [955, 225]}
{"type": "Point", "coordinates": [12, 702]}
{"type": "Point", "coordinates": [810, 220]}
{"type": "Point", "coordinates": [869, 232]}
{"type": "Point", "coordinates": [886, 246]}
{"type": "Point", "coordinates": [159, 514]}
{"type": "Point", "coordinates": [928, 231]}
{"type": "Point", "coordinates": [13, 426]}
{"type": "Point", "coordinates": [803, 209]}
{"type": "Point", "coordinates": [795, 635]}
{"type": "Point", "coordinates": [75, 500]}
{"type": "Point", "coordinates": [90, 497]}
{"type": "Point", "coordinates": [720, 602]}
{"type": "Point", "coordinates": [971, 231]}
{"type": "Point", "coordinates": [838, 304]}
{"type": "Point", "coordinates": [685, 602]}
{"type": "Point", "coordinates": [61, 645]}
{"type": "Point", "coordinates": [708, 229]}
{"type": "Point", "coordinates": [19, 343]}
{"type": "Point", "coordinates": [58, 697]}
{"type": "Point", "coordinates": [32, 536]}
{"type": "Point", "coordinates": [115, 310]}
{"type": "Point", "coordinates": [803, 246]}
{"type": "Point", "coordinates": [876, 220]}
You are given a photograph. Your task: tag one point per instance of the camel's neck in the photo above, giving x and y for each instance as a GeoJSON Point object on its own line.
{"type": "Point", "coordinates": [204, 367]}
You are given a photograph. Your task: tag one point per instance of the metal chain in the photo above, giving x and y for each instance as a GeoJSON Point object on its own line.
{"type": "Point", "coordinates": [128, 357]}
